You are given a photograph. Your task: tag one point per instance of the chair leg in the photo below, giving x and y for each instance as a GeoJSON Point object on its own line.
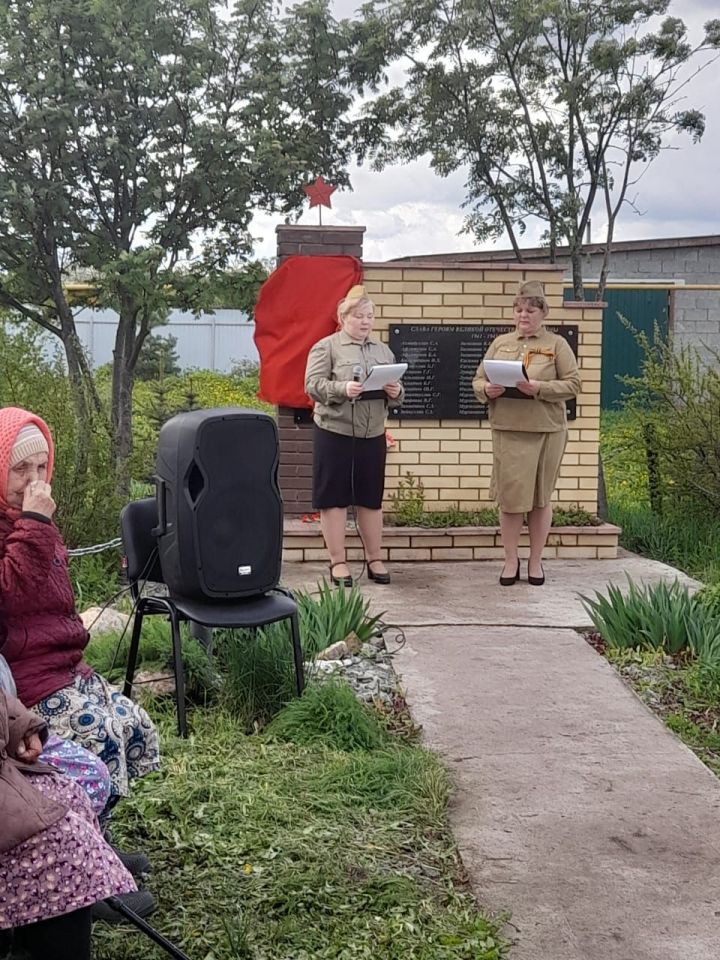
{"type": "Point", "coordinates": [297, 654]}
{"type": "Point", "coordinates": [133, 652]}
{"type": "Point", "coordinates": [145, 927]}
{"type": "Point", "coordinates": [179, 673]}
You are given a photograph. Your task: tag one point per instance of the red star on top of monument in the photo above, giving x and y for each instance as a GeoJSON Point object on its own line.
{"type": "Point", "coordinates": [320, 192]}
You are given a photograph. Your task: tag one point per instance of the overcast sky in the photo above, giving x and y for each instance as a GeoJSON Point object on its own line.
{"type": "Point", "coordinates": [410, 210]}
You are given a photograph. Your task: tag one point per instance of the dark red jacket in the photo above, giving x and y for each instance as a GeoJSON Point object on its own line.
{"type": "Point", "coordinates": [41, 635]}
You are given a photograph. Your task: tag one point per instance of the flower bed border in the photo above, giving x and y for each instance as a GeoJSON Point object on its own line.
{"type": "Point", "coordinates": [303, 543]}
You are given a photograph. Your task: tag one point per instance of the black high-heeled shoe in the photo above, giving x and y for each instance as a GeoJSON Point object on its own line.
{"type": "Point", "coordinates": [509, 581]}
{"type": "Point", "coordinates": [537, 581]}
{"type": "Point", "coordinates": [340, 581]}
{"type": "Point", "coordinates": [377, 577]}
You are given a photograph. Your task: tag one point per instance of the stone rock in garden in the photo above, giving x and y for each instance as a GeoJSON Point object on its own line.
{"type": "Point", "coordinates": [99, 621]}
{"type": "Point", "coordinates": [336, 651]}
{"type": "Point", "coordinates": [159, 684]}
{"type": "Point", "coordinates": [353, 642]}
{"type": "Point", "coordinates": [323, 666]}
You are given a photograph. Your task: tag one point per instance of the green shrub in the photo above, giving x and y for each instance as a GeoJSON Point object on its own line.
{"type": "Point", "coordinates": [332, 614]}
{"type": "Point", "coordinates": [108, 654]}
{"type": "Point", "coordinates": [709, 598]}
{"type": "Point", "coordinates": [680, 538]}
{"type": "Point", "coordinates": [155, 401]}
{"type": "Point", "coordinates": [574, 516]}
{"type": "Point", "coordinates": [258, 665]}
{"type": "Point", "coordinates": [408, 501]}
{"type": "Point", "coordinates": [87, 509]}
{"type": "Point", "coordinates": [676, 402]}
{"type": "Point", "coordinates": [258, 671]}
{"type": "Point", "coordinates": [702, 679]}
{"type": "Point", "coordinates": [408, 510]}
{"type": "Point", "coordinates": [653, 617]}
{"type": "Point", "coordinates": [329, 713]}
{"type": "Point", "coordinates": [95, 578]}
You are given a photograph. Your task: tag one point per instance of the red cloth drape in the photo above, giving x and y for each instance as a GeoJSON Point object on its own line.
{"type": "Point", "coordinates": [297, 306]}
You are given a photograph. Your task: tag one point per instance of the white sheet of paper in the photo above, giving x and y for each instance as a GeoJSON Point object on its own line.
{"type": "Point", "coordinates": [383, 374]}
{"type": "Point", "coordinates": [504, 373]}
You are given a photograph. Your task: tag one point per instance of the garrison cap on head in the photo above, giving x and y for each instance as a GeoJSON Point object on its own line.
{"type": "Point", "coordinates": [352, 298]}
{"type": "Point", "coordinates": [531, 289]}
{"type": "Point", "coordinates": [356, 293]}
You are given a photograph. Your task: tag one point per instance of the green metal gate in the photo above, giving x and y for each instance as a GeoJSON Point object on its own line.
{"type": "Point", "coordinates": [621, 355]}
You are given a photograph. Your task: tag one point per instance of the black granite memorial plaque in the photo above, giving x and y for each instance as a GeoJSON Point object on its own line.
{"type": "Point", "coordinates": [442, 360]}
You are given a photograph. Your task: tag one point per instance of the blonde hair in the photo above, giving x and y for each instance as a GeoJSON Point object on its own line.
{"type": "Point", "coordinates": [350, 303]}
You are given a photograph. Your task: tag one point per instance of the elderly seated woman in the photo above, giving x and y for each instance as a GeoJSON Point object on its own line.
{"type": "Point", "coordinates": [41, 635]}
{"type": "Point", "coordinates": [89, 772]}
{"type": "Point", "coordinates": [54, 863]}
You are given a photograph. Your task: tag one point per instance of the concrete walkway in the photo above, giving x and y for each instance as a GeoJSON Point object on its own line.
{"type": "Point", "coordinates": [575, 809]}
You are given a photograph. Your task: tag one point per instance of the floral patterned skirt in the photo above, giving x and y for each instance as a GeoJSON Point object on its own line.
{"type": "Point", "coordinates": [77, 763]}
{"type": "Point", "coordinates": [66, 867]}
{"type": "Point", "coordinates": [98, 717]}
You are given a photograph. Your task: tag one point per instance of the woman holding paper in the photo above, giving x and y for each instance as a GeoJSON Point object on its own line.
{"type": "Point", "coordinates": [529, 430]}
{"type": "Point", "coordinates": [349, 446]}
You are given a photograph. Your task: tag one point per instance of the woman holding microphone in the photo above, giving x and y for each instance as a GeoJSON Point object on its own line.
{"type": "Point", "coordinates": [349, 446]}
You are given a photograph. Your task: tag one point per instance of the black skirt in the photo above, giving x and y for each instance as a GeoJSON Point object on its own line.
{"type": "Point", "coordinates": [348, 470]}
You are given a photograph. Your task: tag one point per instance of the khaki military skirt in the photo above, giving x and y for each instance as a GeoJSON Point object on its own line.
{"type": "Point", "coordinates": [525, 468]}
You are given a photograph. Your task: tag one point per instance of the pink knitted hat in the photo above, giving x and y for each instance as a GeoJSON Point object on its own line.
{"type": "Point", "coordinates": [13, 420]}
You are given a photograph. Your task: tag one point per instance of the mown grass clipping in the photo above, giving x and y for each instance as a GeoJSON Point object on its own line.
{"type": "Point", "coordinates": [267, 849]}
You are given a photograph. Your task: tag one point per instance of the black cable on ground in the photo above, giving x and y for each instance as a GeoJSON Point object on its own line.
{"type": "Point", "coordinates": [142, 581]}
{"type": "Point", "coordinates": [399, 638]}
{"type": "Point", "coordinates": [353, 508]}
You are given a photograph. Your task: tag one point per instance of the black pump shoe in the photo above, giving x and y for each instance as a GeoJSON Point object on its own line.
{"type": "Point", "coordinates": [509, 581]}
{"type": "Point", "coordinates": [140, 902]}
{"type": "Point", "coordinates": [340, 581]}
{"type": "Point", "coordinates": [377, 577]}
{"type": "Point", "coordinates": [537, 581]}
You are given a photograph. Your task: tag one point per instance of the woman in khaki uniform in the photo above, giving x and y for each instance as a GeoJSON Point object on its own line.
{"type": "Point", "coordinates": [349, 446]}
{"type": "Point", "coordinates": [529, 435]}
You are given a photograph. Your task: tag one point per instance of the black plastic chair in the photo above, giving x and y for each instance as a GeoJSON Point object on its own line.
{"type": "Point", "coordinates": [137, 523]}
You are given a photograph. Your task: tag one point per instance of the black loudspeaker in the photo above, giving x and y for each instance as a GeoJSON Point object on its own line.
{"type": "Point", "coordinates": [219, 506]}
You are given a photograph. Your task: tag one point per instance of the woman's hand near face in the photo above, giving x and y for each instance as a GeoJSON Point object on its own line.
{"type": "Point", "coordinates": [493, 391]}
{"type": "Point", "coordinates": [353, 389]}
{"type": "Point", "coordinates": [30, 748]}
{"type": "Point", "coordinates": [38, 499]}
{"type": "Point", "coordinates": [392, 390]}
{"type": "Point", "coordinates": [529, 387]}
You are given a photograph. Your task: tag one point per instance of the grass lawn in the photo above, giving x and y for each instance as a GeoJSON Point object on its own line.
{"type": "Point", "coordinates": [273, 850]}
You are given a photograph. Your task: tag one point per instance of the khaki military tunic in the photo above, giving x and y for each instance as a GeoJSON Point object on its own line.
{"type": "Point", "coordinates": [329, 368]}
{"type": "Point", "coordinates": [529, 435]}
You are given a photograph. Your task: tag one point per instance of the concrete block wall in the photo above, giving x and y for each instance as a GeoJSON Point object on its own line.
{"type": "Point", "coordinates": [695, 264]}
{"type": "Point", "coordinates": [453, 458]}
{"type": "Point", "coordinates": [694, 312]}
{"type": "Point", "coordinates": [696, 319]}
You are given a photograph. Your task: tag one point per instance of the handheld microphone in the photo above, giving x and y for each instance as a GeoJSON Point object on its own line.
{"type": "Point", "coordinates": [357, 374]}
